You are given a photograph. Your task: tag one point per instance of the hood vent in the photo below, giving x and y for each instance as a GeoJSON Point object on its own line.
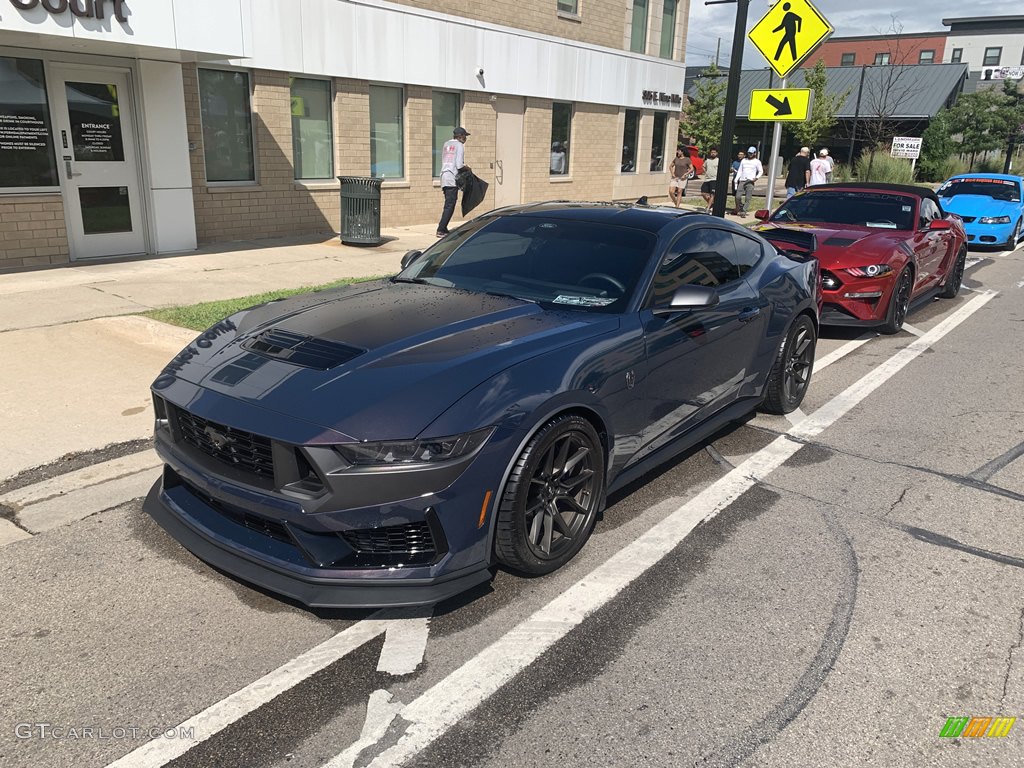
{"type": "Point", "coordinates": [841, 242]}
{"type": "Point", "coordinates": [298, 349]}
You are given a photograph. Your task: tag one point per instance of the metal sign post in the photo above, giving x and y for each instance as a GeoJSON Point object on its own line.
{"type": "Point", "coordinates": [773, 160]}
{"type": "Point", "coordinates": [732, 94]}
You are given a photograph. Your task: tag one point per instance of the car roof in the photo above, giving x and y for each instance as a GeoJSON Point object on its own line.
{"type": "Point", "coordinates": [636, 216]}
{"type": "Point", "coordinates": [868, 186]}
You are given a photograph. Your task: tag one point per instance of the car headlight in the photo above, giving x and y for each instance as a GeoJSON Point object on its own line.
{"type": "Point", "coordinates": [872, 270]}
{"type": "Point", "coordinates": [405, 453]}
{"type": "Point", "coordinates": [994, 219]}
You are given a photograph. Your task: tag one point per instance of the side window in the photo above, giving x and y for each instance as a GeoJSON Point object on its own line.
{"type": "Point", "coordinates": [929, 211]}
{"type": "Point", "coordinates": [748, 253]}
{"type": "Point", "coordinates": [703, 256]}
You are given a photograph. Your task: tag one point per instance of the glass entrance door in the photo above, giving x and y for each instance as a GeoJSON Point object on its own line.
{"type": "Point", "coordinates": [95, 142]}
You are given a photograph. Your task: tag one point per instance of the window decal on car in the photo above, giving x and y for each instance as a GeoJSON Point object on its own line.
{"type": "Point", "coordinates": [583, 301]}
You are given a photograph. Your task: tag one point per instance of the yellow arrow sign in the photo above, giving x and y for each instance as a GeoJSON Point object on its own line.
{"type": "Point", "coordinates": [780, 104]}
{"type": "Point", "coordinates": [788, 33]}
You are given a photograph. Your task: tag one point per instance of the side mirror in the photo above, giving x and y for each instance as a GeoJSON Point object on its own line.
{"type": "Point", "coordinates": [410, 257]}
{"type": "Point", "coordinates": [762, 214]}
{"type": "Point", "coordinates": [939, 225]}
{"type": "Point", "coordinates": [690, 297]}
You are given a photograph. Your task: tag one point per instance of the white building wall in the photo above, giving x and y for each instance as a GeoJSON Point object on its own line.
{"type": "Point", "coordinates": [974, 46]}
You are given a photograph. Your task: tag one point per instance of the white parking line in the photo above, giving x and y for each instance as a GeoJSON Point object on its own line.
{"type": "Point", "coordinates": [843, 351]}
{"type": "Point", "coordinates": [454, 697]}
{"type": "Point", "coordinates": [912, 329]}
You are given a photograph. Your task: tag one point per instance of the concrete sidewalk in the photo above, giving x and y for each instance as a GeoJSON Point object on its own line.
{"type": "Point", "coordinates": [78, 360]}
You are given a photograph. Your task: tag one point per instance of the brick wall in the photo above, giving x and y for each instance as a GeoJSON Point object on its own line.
{"type": "Point", "coordinates": [32, 231]}
{"type": "Point", "coordinates": [600, 22]}
{"type": "Point", "coordinates": [276, 205]}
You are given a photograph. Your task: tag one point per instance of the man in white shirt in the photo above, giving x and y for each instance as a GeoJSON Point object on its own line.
{"type": "Point", "coordinates": [820, 169]}
{"type": "Point", "coordinates": [453, 160]}
{"type": "Point", "coordinates": [750, 170]}
{"type": "Point", "coordinates": [831, 165]}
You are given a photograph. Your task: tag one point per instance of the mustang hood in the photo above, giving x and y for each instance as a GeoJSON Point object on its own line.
{"type": "Point", "coordinates": [842, 246]}
{"type": "Point", "coordinates": [981, 205]}
{"type": "Point", "coordinates": [377, 360]}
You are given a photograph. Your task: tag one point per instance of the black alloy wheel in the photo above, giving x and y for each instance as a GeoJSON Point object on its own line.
{"type": "Point", "coordinates": [791, 372]}
{"type": "Point", "coordinates": [899, 303]}
{"type": "Point", "coordinates": [956, 275]}
{"type": "Point", "coordinates": [550, 503]}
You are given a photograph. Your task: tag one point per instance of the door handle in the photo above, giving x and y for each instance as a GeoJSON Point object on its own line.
{"type": "Point", "coordinates": [749, 313]}
{"type": "Point", "coordinates": [67, 168]}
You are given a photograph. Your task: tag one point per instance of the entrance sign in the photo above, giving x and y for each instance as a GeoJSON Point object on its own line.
{"type": "Point", "coordinates": [907, 147]}
{"type": "Point", "coordinates": [788, 33]}
{"type": "Point", "coordinates": [792, 104]}
{"type": "Point", "coordinates": [86, 9]}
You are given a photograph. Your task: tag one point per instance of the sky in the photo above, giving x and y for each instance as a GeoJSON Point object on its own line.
{"type": "Point", "coordinates": [863, 17]}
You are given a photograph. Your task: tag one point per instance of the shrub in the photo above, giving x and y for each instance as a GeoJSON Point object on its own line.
{"type": "Point", "coordinates": [988, 165]}
{"type": "Point", "coordinates": [951, 166]}
{"type": "Point", "coordinates": [884, 169]}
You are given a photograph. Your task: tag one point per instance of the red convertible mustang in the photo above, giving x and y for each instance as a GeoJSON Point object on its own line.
{"type": "Point", "coordinates": [882, 249]}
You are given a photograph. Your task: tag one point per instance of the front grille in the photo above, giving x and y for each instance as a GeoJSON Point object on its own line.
{"type": "Point", "coordinates": [296, 348]}
{"type": "Point", "coordinates": [411, 543]}
{"type": "Point", "coordinates": [272, 528]}
{"type": "Point", "coordinates": [234, 447]}
{"type": "Point", "coordinates": [830, 281]}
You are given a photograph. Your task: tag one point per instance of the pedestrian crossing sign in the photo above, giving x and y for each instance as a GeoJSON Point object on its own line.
{"type": "Point", "coordinates": [788, 33]}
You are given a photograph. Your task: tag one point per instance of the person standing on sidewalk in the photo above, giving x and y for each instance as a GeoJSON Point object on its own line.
{"type": "Point", "coordinates": [707, 188]}
{"type": "Point", "coordinates": [680, 170]}
{"type": "Point", "coordinates": [799, 172]}
{"type": "Point", "coordinates": [750, 170]}
{"type": "Point", "coordinates": [453, 160]}
{"type": "Point", "coordinates": [831, 165]}
{"type": "Point", "coordinates": [819, 169]}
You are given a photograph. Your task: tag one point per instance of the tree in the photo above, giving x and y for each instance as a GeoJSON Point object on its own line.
{"type": "Point", "coordinates": [937, 144]}
{"type": "Point", "coordinates": [823, 109]}
{"type": "Point", "coordinates": [982, 121]}
{"type": "Point", "coordinates": [704, 116]}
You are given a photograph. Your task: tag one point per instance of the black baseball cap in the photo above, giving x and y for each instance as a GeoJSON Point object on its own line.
{"type": "Point", "coordinates": [460, 131]}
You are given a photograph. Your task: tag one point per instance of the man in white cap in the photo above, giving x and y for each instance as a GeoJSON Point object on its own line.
{"type": "Point", "coordinates": [819, 169]}
{"type": "Point", "coordinates": [831, 165]}
{"type": "Point", "coordinates": [453, 160]}
{"type": "Point", "coordinates": [750, 170]}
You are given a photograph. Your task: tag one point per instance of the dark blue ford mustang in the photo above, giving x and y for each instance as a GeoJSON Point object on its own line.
{"type": "Point", "coordinates": [388, 443]}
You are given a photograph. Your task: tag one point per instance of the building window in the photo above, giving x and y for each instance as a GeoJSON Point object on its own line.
{"type": "Point", "coordinates": [958, 55]}
{"type": "Point", "coordinates": [658, 141]}
{"type": "Point", "coordinates": [445, 119]}
{"type": "Point", "coordinates": [638, 31]}
{"type": "Point", "coordinates": [387, 146]}
{"type": "Point", "coordinates": [630, 138]}
{"type": "Point", "coordinates": [668, 28]}
{"type": "Point", "coordinates": [227, 125]}
{"type": "Point", "coordinates": [568, 6]}
{"type": "Point", "coordinates": [312, 147]}
{"type": "Point", "coordinates": [26, 144]}
{"type": "Point", "coordinates": [992, 57]}
{"type": "Point", "coordinates": [561, 134]}
{"type": "Point", "coordinates": [926, 57]}
{"type": "Point", "coordinates": [849, 59]}
{"type": "Point", "coordinates": [881, 58]}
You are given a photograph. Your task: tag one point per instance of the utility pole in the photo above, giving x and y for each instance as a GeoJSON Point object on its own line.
{"type": "Point", "coordinates": [718, 50]}
{"type": "Point", "coordinates": [732, 93]}
{"type": "Point", "coordinates": [856, 117]}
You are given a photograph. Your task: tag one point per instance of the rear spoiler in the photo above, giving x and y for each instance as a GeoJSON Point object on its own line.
{"type": "Point", "coordinates": [798, 244]}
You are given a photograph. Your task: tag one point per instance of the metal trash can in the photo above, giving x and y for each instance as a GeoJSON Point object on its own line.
{"type": "Point", "coordinates": [360, 210]}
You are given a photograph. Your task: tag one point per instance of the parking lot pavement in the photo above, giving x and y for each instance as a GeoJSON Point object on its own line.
{"type": "Point", "coordinates": [871, 564]}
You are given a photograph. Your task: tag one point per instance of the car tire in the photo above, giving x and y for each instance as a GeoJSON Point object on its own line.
{"type": "Point", "coordinates": [552, 498]}
{"type": "Point", "coordinates": [899, 302]}
{"type": "Point", "coordinates": [1015, 236]}
{"type": "Point", "coordinates": [790, 375]}
{"type": "Point", "coordinates": [956, 275]}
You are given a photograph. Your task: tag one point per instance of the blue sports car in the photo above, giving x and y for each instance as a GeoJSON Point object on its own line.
{"type": "Point", "coordinates": [390, 442]}
{"type": "Point", "coordinates": [990, 204]}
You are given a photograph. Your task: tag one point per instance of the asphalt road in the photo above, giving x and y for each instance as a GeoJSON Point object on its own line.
{"type": "Point", "coordinates": [833, 611]}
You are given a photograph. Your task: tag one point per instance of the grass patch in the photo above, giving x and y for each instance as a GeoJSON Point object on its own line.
{"type": "Point", "coordinates": [201, 316]}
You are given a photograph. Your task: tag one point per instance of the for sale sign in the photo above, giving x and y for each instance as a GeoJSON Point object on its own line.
{"type": "Point", "coordinates": [908, 147]}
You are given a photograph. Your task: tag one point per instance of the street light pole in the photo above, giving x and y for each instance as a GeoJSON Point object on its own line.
{"type": "Point", "coordinates": [732, 93]}
{"type": "Point", "coordinates": [1016, 131]}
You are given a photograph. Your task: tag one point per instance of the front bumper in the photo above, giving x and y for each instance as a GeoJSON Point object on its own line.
{"type": "Point", "coordinates": [857, 301]}
{"type": "Point", "coordinates": [988, 234]}
{"type": "Point", "coordinates": [185, 520]}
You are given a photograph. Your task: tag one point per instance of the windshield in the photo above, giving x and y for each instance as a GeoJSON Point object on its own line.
{"type": "Point", "coordinates": [567, 264]}
{"type": "Point", "coordinates": [997, 189]}
{"type": "Point", "coordinates": [860, 209]}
